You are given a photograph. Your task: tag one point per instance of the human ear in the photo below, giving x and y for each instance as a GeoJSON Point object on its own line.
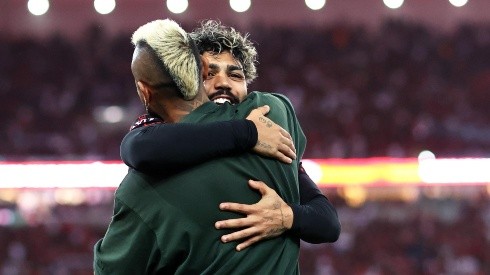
{"type": "Point", "coordinates": [144, 93]}
{"type": "Point", "coordinates": [205, 67]}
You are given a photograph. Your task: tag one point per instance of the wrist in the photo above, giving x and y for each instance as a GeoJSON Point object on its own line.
{"type": "Point", "coordinates": [287, 216]}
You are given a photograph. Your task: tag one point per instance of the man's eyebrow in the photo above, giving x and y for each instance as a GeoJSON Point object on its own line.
{"type": "Point", "coordinates": [213, 66]}
{"type": "Point", "coordinates": [234, 68]}
{"type": "Point", "coordinates": [229, 68]}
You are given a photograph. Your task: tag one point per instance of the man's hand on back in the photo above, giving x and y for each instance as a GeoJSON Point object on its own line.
{"type": "Point", "coordinates": [267, 218]}
{"type": "Point", "coordinates": [273, 141]}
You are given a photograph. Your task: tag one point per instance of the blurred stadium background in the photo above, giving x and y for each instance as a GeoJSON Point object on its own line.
{"type": "Point", "coordinates": [394, 102]}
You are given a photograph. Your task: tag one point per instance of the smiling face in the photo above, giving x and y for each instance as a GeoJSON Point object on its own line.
{"type": "Point", "coordinates": [225, 81]}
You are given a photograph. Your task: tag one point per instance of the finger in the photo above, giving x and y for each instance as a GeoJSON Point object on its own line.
{"type": "Point", "coordinates": [264, 109]}
{"type": "Point", "coordinates": [238, 235]}
{"type": "Point", "coordinates": [286, 134]}
{"type": "Point", "coordinates": [248, 243]}
{"type": "Point", "coordinates": [233, 223]}
{"type": "Point", "coordinates": [259, 186]}
{"type": "Point", "coordinates": [236, 207]}
{"type": "Point", "coordinates": [290, 144]}
{"type": "Point", "coordinates": [287, 151]}
{"type": "Point", "coordinates": [283, 158]}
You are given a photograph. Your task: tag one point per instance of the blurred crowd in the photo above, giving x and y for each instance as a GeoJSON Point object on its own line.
{"type": "Point", "coordinates": [395, 91]}
{"type": "Point", "coordinates": [429, 236]}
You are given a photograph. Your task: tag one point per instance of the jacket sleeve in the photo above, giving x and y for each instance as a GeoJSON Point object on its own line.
{"type": "Point", "coordinates": [315, 218]}
{"type": "Point", "coordinates": [173, 146]}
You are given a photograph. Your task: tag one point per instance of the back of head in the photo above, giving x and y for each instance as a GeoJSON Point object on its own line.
{"type": "Point", "coordinates": [176, 53]}
{"type": "Point", "coordinates": [214, 37]}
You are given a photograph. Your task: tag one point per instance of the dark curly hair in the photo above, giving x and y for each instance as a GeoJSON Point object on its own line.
{"type": "Point", "coordinates": [214, 37]}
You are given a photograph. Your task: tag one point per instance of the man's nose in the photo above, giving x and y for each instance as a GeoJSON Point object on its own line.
{"type": "Point", "coordinates": [221, 81]}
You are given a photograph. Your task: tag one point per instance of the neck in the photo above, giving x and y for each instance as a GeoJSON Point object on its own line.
{"type": "Point", "coordinates": [174, 110]}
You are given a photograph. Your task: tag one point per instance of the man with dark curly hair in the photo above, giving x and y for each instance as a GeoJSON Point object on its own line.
{"type": "Point", "coordinates": [232, 66]}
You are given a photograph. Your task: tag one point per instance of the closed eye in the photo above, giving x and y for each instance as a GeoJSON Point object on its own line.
{"type": "Point", "coordinates": [211, 75]}
{"type": "Point", "coordinates": [237, 76]}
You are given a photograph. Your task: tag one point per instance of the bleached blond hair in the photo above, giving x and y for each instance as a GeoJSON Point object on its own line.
{"type": "Point", "coordinates": [176, 50]}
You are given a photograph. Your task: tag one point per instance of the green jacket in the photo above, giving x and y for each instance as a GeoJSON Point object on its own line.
{"type": "Point", "coordinates": [165, 224]}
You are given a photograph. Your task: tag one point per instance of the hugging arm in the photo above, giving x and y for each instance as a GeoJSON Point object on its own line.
{"type": "Point", "coordinates": [173, 146]}
{"type": "Point", "coordinates": [170, 146]}
{"type": "Point", "coordinates": [314, 220]}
